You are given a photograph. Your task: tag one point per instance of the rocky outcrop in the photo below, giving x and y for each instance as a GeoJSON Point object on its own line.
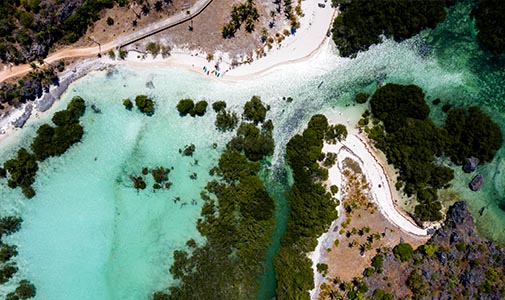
{"type": "Point", "coordinates": [20, 122]}
{"type": "Point", "coordinates": [454, 264]}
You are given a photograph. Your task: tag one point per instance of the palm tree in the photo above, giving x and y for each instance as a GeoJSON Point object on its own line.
{"type": "Point", "coordinates": [158, 6]}
{"type": "Point", "coordinates": [145, 9]}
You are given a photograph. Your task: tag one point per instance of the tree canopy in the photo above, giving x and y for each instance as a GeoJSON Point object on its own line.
{"type": "Point", "coordinates": [49, 141]}
{"type": "Point", "coordinates": [311, 211]}
{"type": "Point", "coordinates": [491, 25]}
{"type": "Point", "coordinates": [412, 142]}
{"type": "Point", "coordinates": [360, 23]}
{"type": "Point", "coordinates": [254, 110]}
{"type": "Point", "coordinates": [144, 104]}
{"type": "Point", "coordinates": [237, 222]}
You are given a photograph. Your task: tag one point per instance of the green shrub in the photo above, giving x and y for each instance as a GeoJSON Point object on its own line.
{"type": "Point", "coordinates": [110, 21]}
{"type": "Point", "coordinates": [186, 106]}
{"type": "Point", "coordinates": [218, 106]}
{"type": "Point", "coordinates": [403, 252]}
{"type": "Point", "coordinates": [200, 108]}
{"type": "Point", "coordinates": [254, 110]}
{"type": "Point", "coordinates": [145, 104]}
{"type": "Point", "coordinates": [362, 97]}
{"type": "Point", "coordinates": [226, 120]}
{"type": "Point", "coordinates": [128, 104]}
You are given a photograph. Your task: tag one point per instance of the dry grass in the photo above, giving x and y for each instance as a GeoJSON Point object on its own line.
{"type": "Point", "coordinates": [365, 230]}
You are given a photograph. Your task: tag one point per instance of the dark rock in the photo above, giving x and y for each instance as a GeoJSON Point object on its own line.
{"type": "Point", "coordinates": [31, 90]}
{"type": "Point", "coordinates": [442, 257]}
{"type": "Point", "coordinates": [20, 122]}
{"type": "Point", "coordinates": [456, 237]}
{"type": "Point", "coordinates": [476, 182]}
{"type": "Point", "coordinates": [471, 164]}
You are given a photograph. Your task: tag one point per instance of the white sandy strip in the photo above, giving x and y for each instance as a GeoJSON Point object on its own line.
{"type": "Point", "coordinates": [302, 45]}
{"type": "Point", "coordinates": [353, 147]}
{"type": "Point", "coordinates": [307, 39]}
{"type": "Point", "coordinates": [356, 149]}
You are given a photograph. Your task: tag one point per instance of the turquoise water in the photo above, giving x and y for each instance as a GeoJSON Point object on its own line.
{"type": "Point", "coordinates": [89, 235]}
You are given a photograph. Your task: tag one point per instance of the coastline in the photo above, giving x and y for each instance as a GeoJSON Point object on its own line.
{"type": "Point", "coordinates": [309, 41]}
{"type": "Point", "coordinates": [357, 147]}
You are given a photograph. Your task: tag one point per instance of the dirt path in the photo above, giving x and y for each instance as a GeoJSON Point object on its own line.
{"type": "Point", "coordinates": [20, 70]}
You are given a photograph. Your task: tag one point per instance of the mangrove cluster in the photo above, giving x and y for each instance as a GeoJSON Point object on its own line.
{"type": "Point", "coordinates": [159, 175]}
{"type": "Point", "coordinates": [311, 211]}
{"type": "Point", "coordinates": [237, 223]}
{"type": "Point", "coordinates": [187, 106]}
{"type": "Point", "coordinates": [144, 104]}
{"type": "Point", "coordinates": [49, 141]}
{"type": "Point", "coordinates": [226, 120]}
{"type": "Point", "coordinates": [25, 289]}
{"type": "Point", "coordinates": [491, 25]}
{"type": "Point", "coordinates": [413, 144]}
{"type": "Point", "coordinates": [361, 23]}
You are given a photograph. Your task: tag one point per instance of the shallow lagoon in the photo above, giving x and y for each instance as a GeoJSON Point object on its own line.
{"type": "Point", "coordinates": [89, 235]}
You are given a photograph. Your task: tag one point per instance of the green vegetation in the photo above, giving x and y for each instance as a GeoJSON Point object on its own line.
{"type": "Point", "coordinates": [335, 133]}
{"type": "Point", "coordinates": [237, 222]}
{"type": "Point", "coordinates": [411, 142]}
{"type": "Point", "coordinates": [491, 25]}
{"type": "Point", "coordinates": [30, 28]}
{"type": "Point", "coordinates": [145, 104]}
{"type": "Point", "coordinates": [226, 120]}
{"type": "Point", "coordinates": [9, 225]}
{"type": "Point", "coordinates": [378, 263]}
{"type": "Point", "coordinates": [22, 171]}
{"type": "Point", "coordinates": [153, 48]}
{"type": "Point", "coordinates": [188, 150]}
{"type": "Point", "coordinates": [360, 23]}
{"type": "Point", "coordinates": [394, 103]}
{"type": "Point", "coordinates": [7, 252]}
{"type": "Point", "coordinates": [218, 106]}
{"type": "Point", "coordinates": [160, 177]}
{"type": "Point", "coordinates": [473, 133]}
{"type": "Point", "coordinates": [322, 268]}
{"type": "Point", "coordinates": [187, 106]}
{"type": "Point", "coordinates": [160, 174]}
{"type": "Point", "coordinates": [241, 13]}
{"type": "Point", "coordinates": [25, 290]}
{"type": "Point", "coordinates": [293, 268]}
{"type": "Point", "coordinates": [7, 271]}
{"type": "Point", "coordinates": [110, 21]}
{"type": "Point", "coordinates": [254, 110]}
{"type": "Point", "coordinates": [255, 143]}
{"type": "Point", "coordinates": [361, 98]}
{"type": "Point", "coordinates": [50, 141]}
{"type": "Point", "coordinates": [403, 252]}
{"type": "Point", "coordinates": [128, 104]}
{"type": "Point", "coordinates": [54, 141]}
{"type": "Point", "coordinates": [200, 108]}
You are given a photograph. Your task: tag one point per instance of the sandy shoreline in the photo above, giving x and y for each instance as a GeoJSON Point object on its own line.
{"type": "Point", "coordinates": [308, 41]}
{"type": "Point", "coordinates": [383, 194]}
